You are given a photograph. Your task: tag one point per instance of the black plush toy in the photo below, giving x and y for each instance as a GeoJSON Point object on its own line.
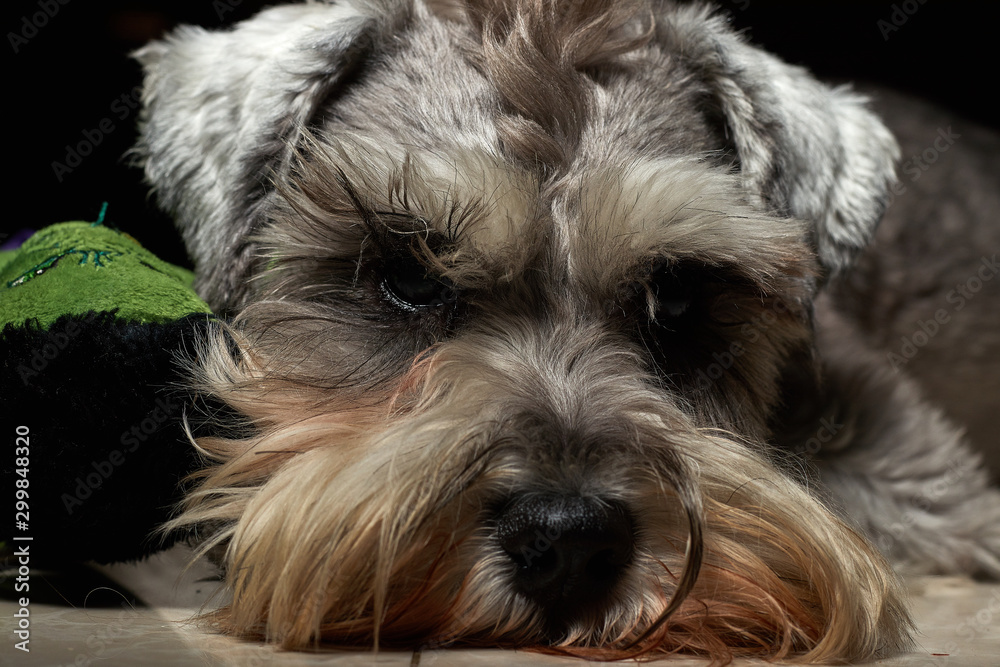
{"type": "Point", "coordinates": [93, 443]}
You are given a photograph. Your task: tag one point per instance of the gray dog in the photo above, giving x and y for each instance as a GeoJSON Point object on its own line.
{"type": "Point", "coordinates": [565, 325]}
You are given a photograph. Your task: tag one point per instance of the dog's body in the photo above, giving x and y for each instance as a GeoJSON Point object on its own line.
{"type": "Point", "coordinates": [920, 308]}
{"type": "Point", "coordinates": [934, 251]}
{"type": "Point", "coordinates": [548, 336]}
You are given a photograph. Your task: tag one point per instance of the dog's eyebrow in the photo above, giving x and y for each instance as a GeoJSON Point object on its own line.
{"type": "Point", "coordinates": [463, 192]}
{"type": "Point", "coordinates": [463, 204]}
{"type": "Point", "coordinates": [677, 208]}
{"type": "Point", "coordinates": [384, 222]}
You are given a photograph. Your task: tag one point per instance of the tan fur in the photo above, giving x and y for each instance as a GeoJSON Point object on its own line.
{"type": "Point", "coordinates": [533, 52]}
{"type": "Point", "coordinates": [354, 507]}
{"type": "Point", "coordinates": [400, 563]}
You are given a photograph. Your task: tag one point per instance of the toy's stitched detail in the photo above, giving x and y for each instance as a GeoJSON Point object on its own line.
{"type": "Point", "coordinates": [49, 263]}
{"type": "Point", "coordinates": [36, 270]}
{"type": "Point", "coordinates": [100, 216]}
{"type": "Point", "coordinates": [97, 256]}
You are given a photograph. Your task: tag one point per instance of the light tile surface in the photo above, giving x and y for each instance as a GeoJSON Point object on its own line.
{"type": "Point", "coordinates": [140, 615]}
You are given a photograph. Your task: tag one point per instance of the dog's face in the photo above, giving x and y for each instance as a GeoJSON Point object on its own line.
{"type": "Point", "coordinates": [516, 285]}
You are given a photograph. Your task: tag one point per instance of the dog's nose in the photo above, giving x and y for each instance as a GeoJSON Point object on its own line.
{"type": "Point", "coordinates": [569, 551]}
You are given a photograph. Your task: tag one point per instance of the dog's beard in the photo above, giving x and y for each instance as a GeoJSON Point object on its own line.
{"type": "Point", "coordinates": [368, 515]}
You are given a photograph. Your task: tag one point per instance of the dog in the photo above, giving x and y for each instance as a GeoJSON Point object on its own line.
{"type": "Point", "coordinates": [560, 325]}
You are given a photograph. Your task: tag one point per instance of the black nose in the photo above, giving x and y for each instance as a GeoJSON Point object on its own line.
{"type": "Point", "coordinates": [569, 551]}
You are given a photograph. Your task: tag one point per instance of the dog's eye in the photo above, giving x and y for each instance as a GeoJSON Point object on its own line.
{"type": "Point", "coordinates": [672, 294]}
{"type": "Point", "coordinates": [408, 285]}
{"type": "Point", "coordinates": [673, 297]}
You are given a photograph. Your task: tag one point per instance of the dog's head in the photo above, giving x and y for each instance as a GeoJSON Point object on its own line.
{"type": "Point", "coordinates": [516, 284]}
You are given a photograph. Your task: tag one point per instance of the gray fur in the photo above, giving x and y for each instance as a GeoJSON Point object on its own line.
{"type": "Point", "coordinates": [895, 463]}
{"type": "Point", "coordinates": [811, 151]}
{"type": "Point", "coordinates": [220, 111]}
{"type": "Point", "coordinates": [550, 189]}
{"type": "Point", "coordinates": [222, 108]}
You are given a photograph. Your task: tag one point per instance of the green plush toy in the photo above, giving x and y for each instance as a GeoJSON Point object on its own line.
{"type": "Point", "coordinates": [77, 267]}
{"type": "Point", "coordinates": [94, 328]}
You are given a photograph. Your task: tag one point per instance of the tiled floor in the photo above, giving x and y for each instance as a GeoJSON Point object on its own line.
{"type": "Point", "coordinates": [79, 619]}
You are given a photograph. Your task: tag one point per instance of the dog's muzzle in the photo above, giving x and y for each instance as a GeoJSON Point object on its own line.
{"type": "Point", "coordinates": [569, 551]}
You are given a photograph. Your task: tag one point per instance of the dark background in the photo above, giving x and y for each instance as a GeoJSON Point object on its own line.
{"type": "Point", "coordinates": [72, 72]}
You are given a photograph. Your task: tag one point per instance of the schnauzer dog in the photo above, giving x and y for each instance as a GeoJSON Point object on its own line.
{"type": "Point", "coordinates": [559, 325]}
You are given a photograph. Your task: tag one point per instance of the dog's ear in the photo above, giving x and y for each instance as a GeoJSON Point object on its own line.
{"type": "Point", "coordinates": [808, 150]}
{"type": "Point", "coordinates": [222, 109]}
